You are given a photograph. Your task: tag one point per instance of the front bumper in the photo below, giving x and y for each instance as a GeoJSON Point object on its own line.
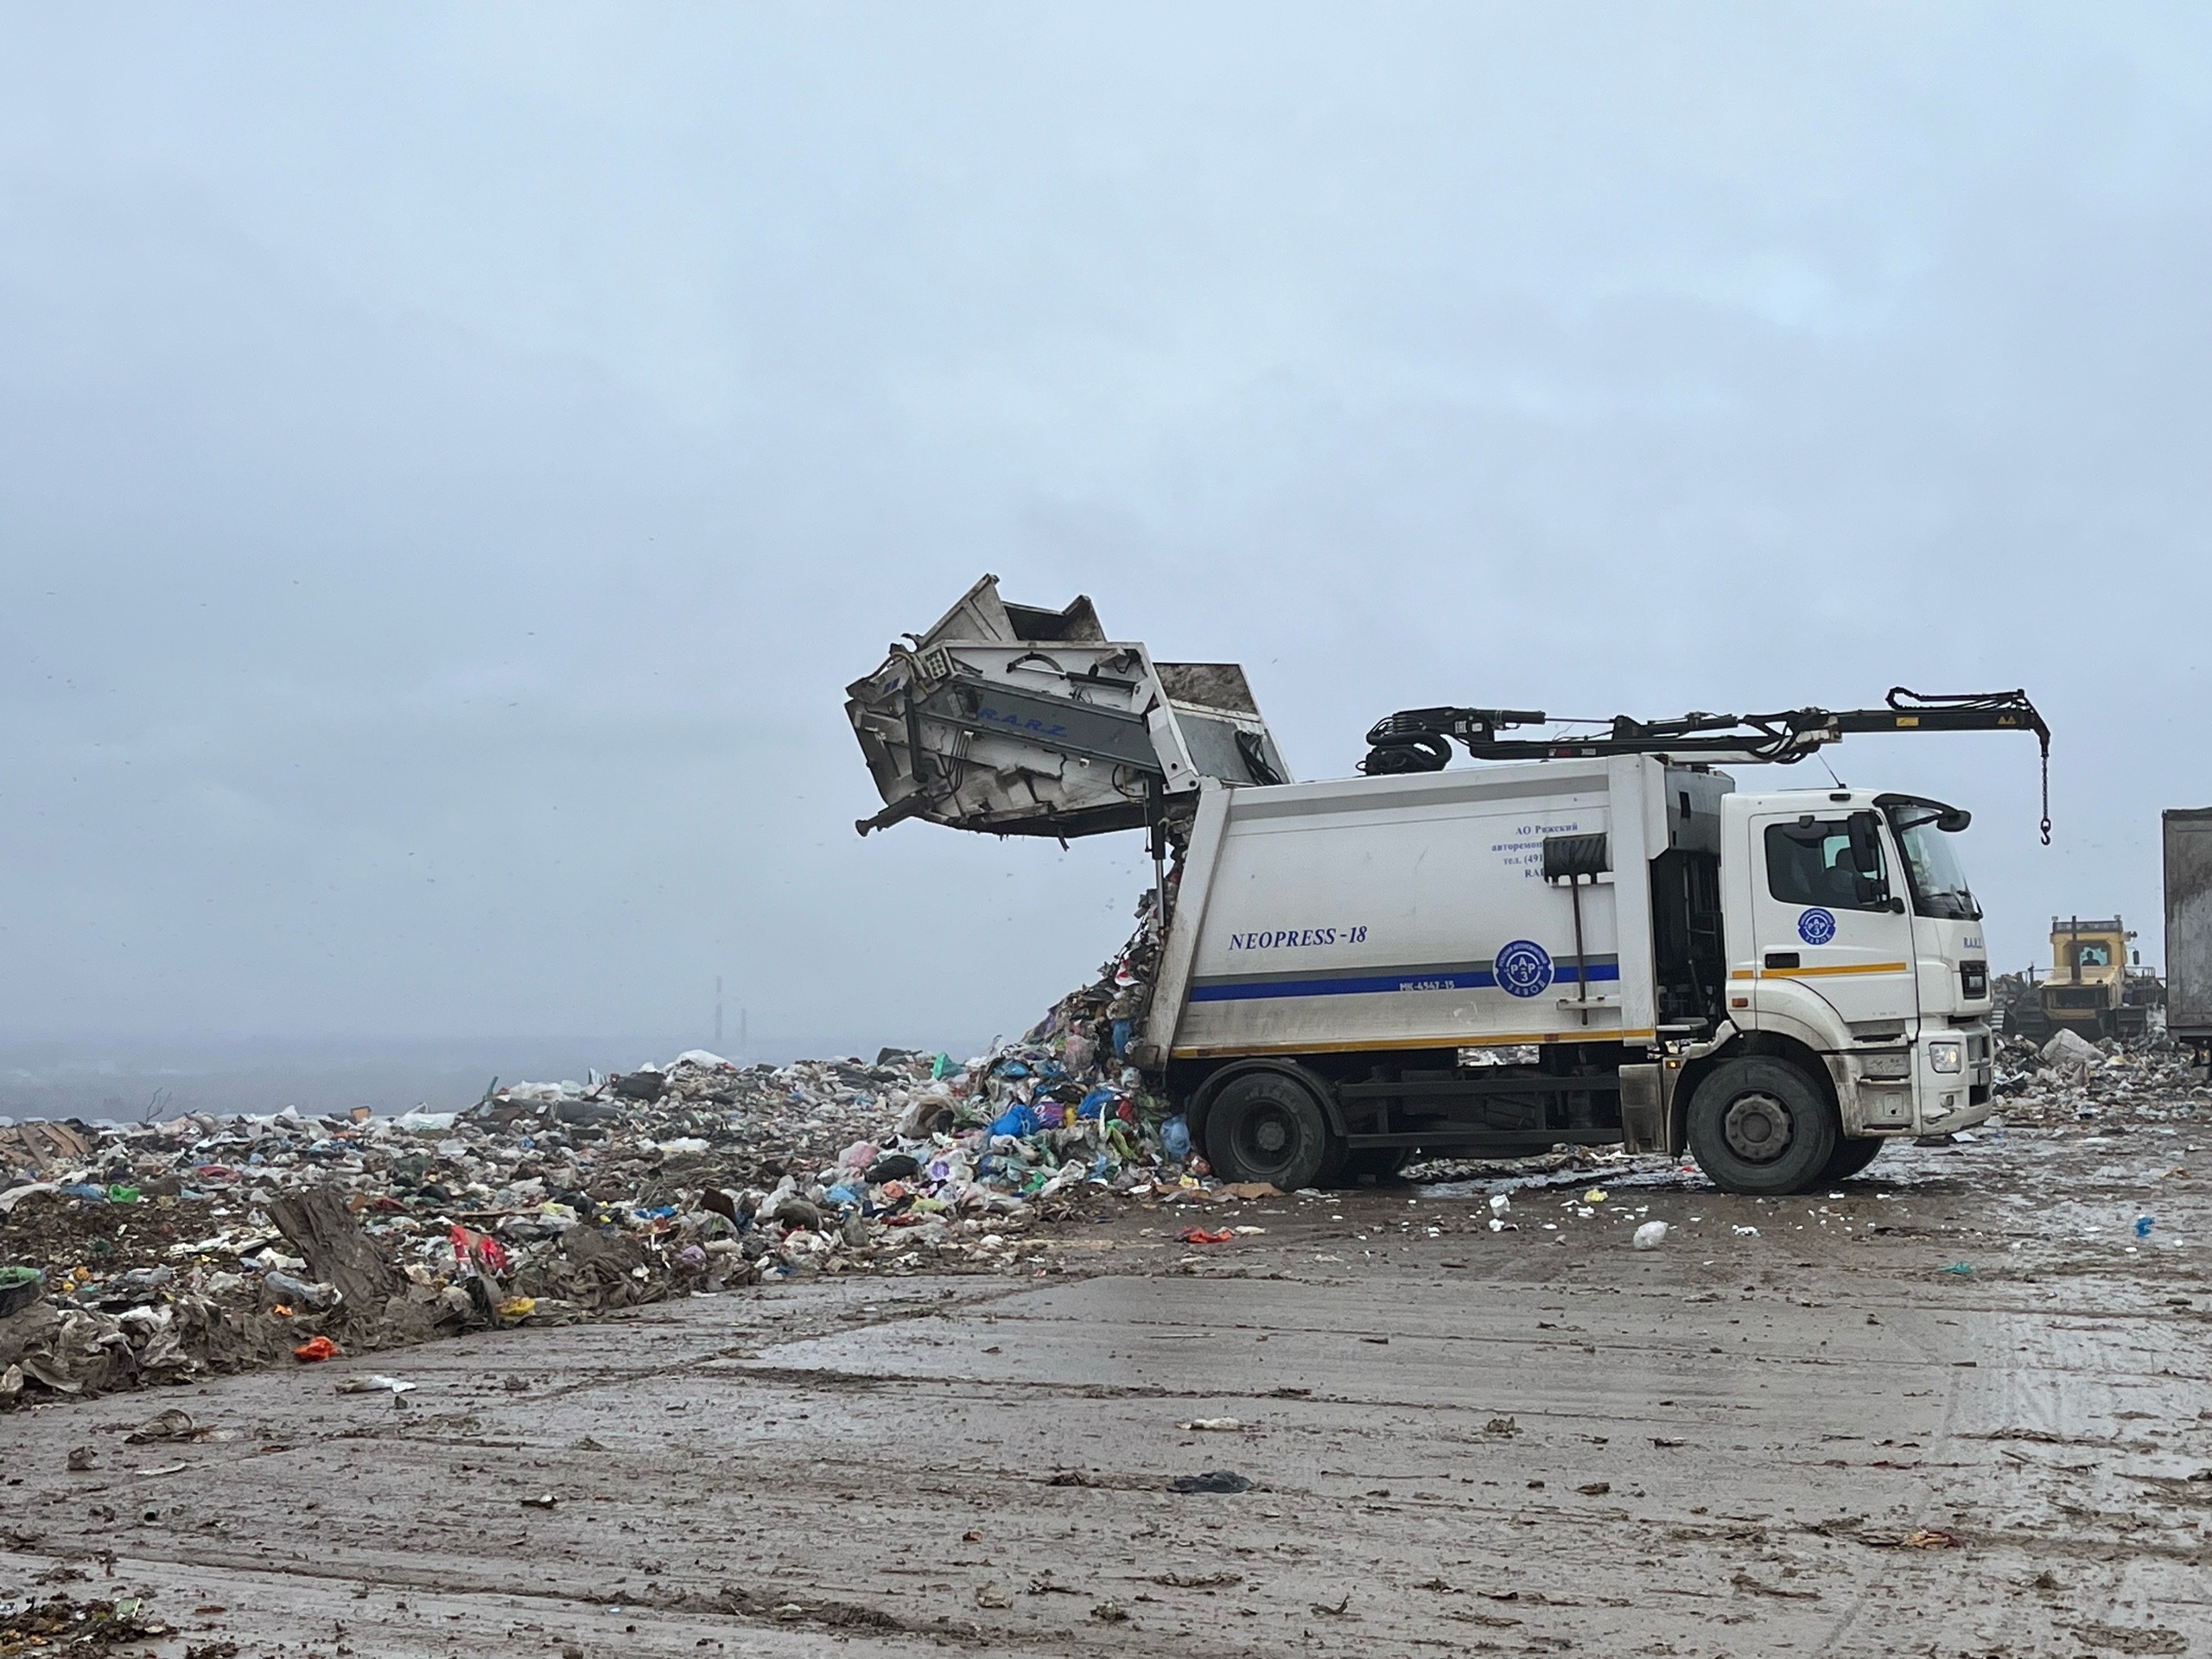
{"type": "Point", "coordinates": [1899, 1092]}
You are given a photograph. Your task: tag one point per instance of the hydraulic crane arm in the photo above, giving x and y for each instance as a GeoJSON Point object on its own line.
{"type": "Point", "coordinates": [1420, 739]}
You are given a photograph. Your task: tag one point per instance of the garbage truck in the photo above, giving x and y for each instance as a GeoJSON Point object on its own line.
{"type": "Point", "coordinates": [1594, 939]}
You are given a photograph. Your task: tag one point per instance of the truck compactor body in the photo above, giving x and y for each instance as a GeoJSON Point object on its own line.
{"type": "Point", "coordinates": [1606, 950]}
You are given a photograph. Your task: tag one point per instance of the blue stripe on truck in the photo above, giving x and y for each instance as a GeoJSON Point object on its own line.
{"type": "Point", "coordinates": [1413, 979]}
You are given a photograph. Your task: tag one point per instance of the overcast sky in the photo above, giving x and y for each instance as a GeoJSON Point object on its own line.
{"type": "Point", "coordinates": [452, 461]}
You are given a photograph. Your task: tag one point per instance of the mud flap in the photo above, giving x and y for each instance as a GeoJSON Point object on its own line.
{"type": "Point", "coordinates": [1643, 1109]}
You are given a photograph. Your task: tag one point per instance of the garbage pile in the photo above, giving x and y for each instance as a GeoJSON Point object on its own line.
{"type": "Point", "coordinates": [154, 1252]}
{"type": "Point", "coordinates": [2070, 1081]}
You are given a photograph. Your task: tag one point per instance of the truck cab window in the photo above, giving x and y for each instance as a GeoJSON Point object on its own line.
{"type": "Point", "coordinates": [1813, 863]}
{"type": "Point", "coordinates": [1939, 881]}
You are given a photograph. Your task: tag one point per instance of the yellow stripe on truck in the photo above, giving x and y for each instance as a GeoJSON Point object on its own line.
{"type": "Point", "coordinates": [1840, 968]}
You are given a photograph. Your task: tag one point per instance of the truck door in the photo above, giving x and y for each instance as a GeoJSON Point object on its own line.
{"type": "Point", "coordinates": [1826, 918]}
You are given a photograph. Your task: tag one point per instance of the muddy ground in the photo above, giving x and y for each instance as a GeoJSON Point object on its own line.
{"type": "Point", "coordinates": [1820, 1438]}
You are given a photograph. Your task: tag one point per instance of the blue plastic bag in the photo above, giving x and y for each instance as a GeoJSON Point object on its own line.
{"type": "Point", "coordinates": [1175, 1138]}
{"type": "Point", "coordinates": [1016, 1120]}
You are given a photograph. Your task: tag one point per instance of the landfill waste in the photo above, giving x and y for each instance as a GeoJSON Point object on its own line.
{"type": "Point", "coordinates": [2071, 1056]}
{"type": "Point", "coordinates": [19, 1286]}
{"type": "Point", "coordinates": [1650, 1236]}
{"type": "Point", "coordinates": [2137, 1082]}
{"type": "Point", "coordinates": [1214, 1480]}
{"type": "Point", "coordinates": [168, 1428]}
{"type": "Point", "coordinates": [1931, 1538]}
{"type": "Point", "coordinates": [40, 1148]}
{"type": "Point", "coordinates": [61, 1624]}
{"type": "Point", "coordinates": [156, 1253]}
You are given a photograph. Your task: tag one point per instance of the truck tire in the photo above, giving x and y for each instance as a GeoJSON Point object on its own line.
{"type": "Point", "coordinates": [1264, 1126]}
{"type": "Point", "coordinates": [1761, 1125]}
{"type": "Point", "coordinates": [1851, 1157]}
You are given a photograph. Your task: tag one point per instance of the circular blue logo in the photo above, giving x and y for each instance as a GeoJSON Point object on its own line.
{"type": "Point", "coordinates": [1523, 969]}
{"type": "Point", "coordinates": [1816, 926]}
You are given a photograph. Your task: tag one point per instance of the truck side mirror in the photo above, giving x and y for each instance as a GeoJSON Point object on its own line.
{"type": "Point", "coordinates": [1864, 829]}
{"type": "Point", "coordinates": [1865, 842]}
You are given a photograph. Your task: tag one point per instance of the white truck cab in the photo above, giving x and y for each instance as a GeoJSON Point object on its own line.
{"type": "Point", "coordinates": [1851, 929]}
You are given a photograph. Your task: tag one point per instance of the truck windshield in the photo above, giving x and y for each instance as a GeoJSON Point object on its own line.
{"type": "Point", "coordinates": [1939, 885]}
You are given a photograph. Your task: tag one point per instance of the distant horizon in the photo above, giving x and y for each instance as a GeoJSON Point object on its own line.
{"type": "Point", "coordinates": [121, 1081]}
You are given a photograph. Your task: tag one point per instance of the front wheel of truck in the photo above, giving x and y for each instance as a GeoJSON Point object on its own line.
{"type": "Point", "coordinates": [1266, 1126]}
{"type": "Point", "coordinates": [1761, 1127]}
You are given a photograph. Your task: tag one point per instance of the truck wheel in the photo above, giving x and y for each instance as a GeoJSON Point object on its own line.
{"type": "Point", "coordinates": [1759, 1126]}
{"type": "Point", "coordinates": [1267, 1126]}
{"type": "Point", "coordinates": [1850, 1157]}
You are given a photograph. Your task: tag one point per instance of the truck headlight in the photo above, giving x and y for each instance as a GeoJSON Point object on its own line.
{"type": "Point", "coordinates": [1946, 1057]}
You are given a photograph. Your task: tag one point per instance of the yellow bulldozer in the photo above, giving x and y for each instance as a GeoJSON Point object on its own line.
{"type": "Point", "coordinates": [2097, 987]}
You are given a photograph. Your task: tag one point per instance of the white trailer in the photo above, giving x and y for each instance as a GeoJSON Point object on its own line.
{"type": "Point", "coordinates": [1606, 950]}
{"type": "Point", "coordinates": [2187, 833]}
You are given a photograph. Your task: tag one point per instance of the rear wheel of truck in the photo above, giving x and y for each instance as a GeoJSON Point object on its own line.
{"type": "Point", "coordinates": [1850, 1157]}
{"type": "Point", "coordinates": [1267, 1126]}
{"type": "Point", "coordinates": [1761, 1125]}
